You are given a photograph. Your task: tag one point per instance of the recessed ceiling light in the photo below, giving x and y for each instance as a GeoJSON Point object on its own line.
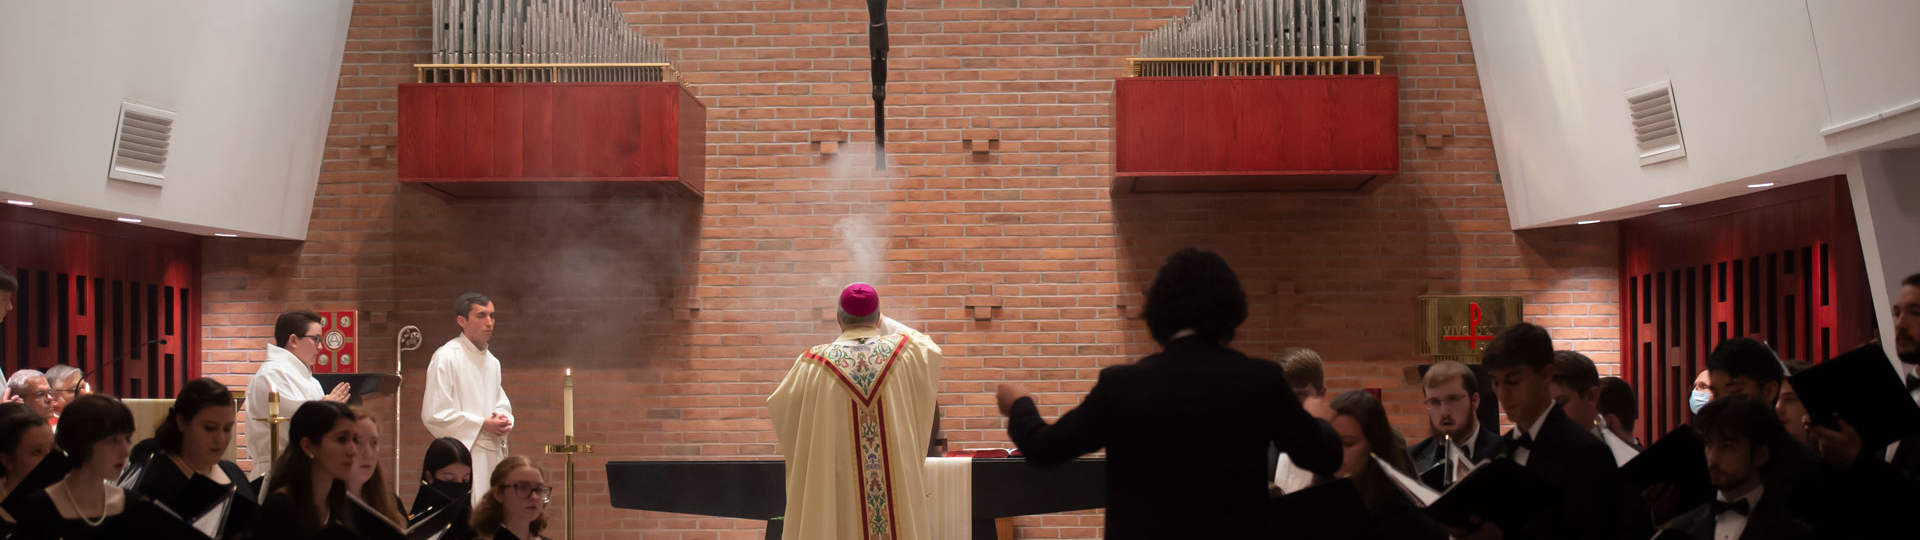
{"type": "Point", "coordinates": [19, 203]}
{"type": "Point", "coordinates": [225, 235]}
{"type": "Point", "coordinates": [129, 220]}
{"type": "Point", "coordinates": [1760, 185]}
{"type": "Point", "coordinates": [1589, 222]}
{"type": "Point", "coordinates": [1670, 205]}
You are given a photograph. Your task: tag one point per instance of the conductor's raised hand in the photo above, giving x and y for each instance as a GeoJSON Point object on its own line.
{"type": "Point", "coordinates": [341, 393]}
{"type": "Point", "coordinates": [1008, 394]}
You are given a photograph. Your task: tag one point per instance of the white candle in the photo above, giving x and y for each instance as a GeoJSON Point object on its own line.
{"type": "Point", "coordinates": [566, 403]}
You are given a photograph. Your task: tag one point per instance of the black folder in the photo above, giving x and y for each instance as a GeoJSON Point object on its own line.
{"type": "Point", "coordinates": [435, 523]}
{"type": "Point", "coordinates": [1678, 458]}
{"type": "Point", "coordinates": [148, 521]}
{"type": "Point", "coordinates": [361, 522]}
{"type": "Point", "coordinates": [1500, 491]}
{"type": "Point", "coordinates": [51, 469]}
{"type": "Point", "coordinates": [1862, 388]}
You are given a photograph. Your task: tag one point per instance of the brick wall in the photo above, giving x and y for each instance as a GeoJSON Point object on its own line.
{"type": "Point", "coordinates": [680, 316]}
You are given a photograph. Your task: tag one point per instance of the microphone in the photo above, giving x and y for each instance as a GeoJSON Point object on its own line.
{"type": "Point", "coordinates": [122, 358]}
{"type": "Point", "coordinates": [136, 348]}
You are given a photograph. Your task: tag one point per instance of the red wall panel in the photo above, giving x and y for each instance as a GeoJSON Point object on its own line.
{"type": "Point", "coordinates": [1254, 133]}
{"type": "Point", "coordinates": [494, 139]}
{"type": "Point", "coordinates": [1783, 266]}
{"type": "Point", "coordinates": [93, 291]}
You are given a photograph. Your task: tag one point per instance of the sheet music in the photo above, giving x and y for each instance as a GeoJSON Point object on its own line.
{"type": "Point", "coordinates": [1420, 493]}
{"type": "Point", "coordinates": [1289, 477]}
{"type": "Point", "coordinates": [1461, 465]}
{"type": "Point", "coordinates": [214, 519]}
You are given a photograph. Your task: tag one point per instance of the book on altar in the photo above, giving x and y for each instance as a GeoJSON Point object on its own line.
{"type": "Point", "coordinates": [985, 453]}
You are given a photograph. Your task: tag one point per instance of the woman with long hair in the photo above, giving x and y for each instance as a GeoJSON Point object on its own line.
{"type": "Point", "coordinates": [96, 434]}
{"type": "Point", "coordinates": [192, 442]}
{"type": "Point", "coordinates": [25, 439]}
{"type": "Point", "coordinates": [1365, 433]}
{"type": "Point", "coordinates": [516, 502]}
{"type": "Point", "coordinates": [367, 481]}
{"type": "Point", "coordinates": [446, 475]}
{"type": "Point", "coordinates": [309, 477]}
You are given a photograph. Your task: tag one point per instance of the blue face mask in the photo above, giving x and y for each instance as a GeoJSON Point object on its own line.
{"type": "Point", "coordinates": [1698, 400]}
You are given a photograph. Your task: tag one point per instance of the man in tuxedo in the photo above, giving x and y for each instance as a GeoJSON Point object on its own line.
{"type": "Point", "coordinates": [1575, 387]}
{"type": "Point", "coordinates": [1742, 434]}
{"type": "Point", "coordinates": [1452, 396]}
{"type": "Point", "coordinates": [1619, 410]}
{"type": "Point", "coordinates": [1186, 430]}
{"type": "Point", "coordinates": [1576, 464]}
{"type": "Point", "coordinates": [1747, 367]}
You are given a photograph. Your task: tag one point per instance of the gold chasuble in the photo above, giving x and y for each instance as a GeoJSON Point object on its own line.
{"type": "Point", "coordinates": [853, 418]}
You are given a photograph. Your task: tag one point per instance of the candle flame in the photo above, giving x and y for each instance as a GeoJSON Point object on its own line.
{"type": "Point", "coordinates": [569, 372]}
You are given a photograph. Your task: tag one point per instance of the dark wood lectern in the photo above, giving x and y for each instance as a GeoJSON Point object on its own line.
{"type": "Point", "coordinates": [757, 489]}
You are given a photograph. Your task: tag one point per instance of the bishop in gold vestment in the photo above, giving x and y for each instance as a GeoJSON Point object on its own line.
{"type": "Point", "coordinates": [853, 418]}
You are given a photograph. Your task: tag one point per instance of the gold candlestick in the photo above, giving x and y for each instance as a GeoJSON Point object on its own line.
{"type": "Point", "coordinates": [273, 420]}
{"type": "Point", "coordinates": [569, 449]}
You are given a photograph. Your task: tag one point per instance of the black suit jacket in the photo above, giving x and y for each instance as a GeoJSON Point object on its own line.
{"type": "Point", "coordinates": [1588, 484]}
{"type": "Point", "coordinates": [1430, 454]}
{"type": "Point", "coordinates": [1906, 458]}
{"type": "Point", "coordinates": [1186, 433]}
{"type": "Point", "coordinates": [1769, 520]}
{"type": "Point", "coordinates": [1863, 500]}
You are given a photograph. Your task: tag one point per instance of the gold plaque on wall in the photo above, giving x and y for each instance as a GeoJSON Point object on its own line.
{"type": "Point", "coordinates": [1459, 327]}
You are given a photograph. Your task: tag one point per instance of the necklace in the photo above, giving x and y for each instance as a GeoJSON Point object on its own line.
{"type": "Point", "coordinates": [83, 515]}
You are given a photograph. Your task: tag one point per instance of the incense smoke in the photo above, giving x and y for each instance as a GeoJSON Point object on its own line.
{"type": "Point", "coordinates": [860, 232]}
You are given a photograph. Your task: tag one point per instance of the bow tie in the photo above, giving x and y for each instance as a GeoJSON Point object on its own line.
{"type": "Point", "coordinates": [1912, 382]}
{"type": "Point", "coordinates": [1511, 446]}
{"type": "Point", "coordinates": [1738, 507]}
{"type": "Point", "coordinates": [1525, 440]}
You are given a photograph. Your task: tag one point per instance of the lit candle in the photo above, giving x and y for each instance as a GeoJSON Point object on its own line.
{"type": "Point", "coordinates": [566, 403]}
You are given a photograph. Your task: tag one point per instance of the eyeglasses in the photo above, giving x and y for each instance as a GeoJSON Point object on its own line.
{"type": "Point", "coordinates": [1447, 401]}
{"type": "Point", "coordinates": [43, 394]}
{"type": "Point", "coordinates": [315, 338]}
{"type": "Point", "coordinates": [523, 489]}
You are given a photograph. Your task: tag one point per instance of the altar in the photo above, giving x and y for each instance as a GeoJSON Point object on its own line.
{"type": "Point", "coordinates": [998, 488]}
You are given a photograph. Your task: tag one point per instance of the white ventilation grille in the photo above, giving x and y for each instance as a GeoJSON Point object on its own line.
{"type": "Point", "coordinates": [1656, 123]}
{"type": "Point", "coordinates": [140, 144]}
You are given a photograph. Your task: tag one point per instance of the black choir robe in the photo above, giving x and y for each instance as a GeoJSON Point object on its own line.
{"type": "Point", "coordinates": [1186, 432]}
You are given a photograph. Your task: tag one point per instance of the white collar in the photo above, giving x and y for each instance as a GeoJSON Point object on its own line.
{"type": "Point", "coordinates": [1183, 332]}
{"type": "Point", "coordinates": [1752, 497]}
{"type": "Point", "coordinates": [468, 345]}
{"type": "Point", "coordinates": [1474, 435]}
{"type": "Point", "coordinates": [1534, 431]}
{"type": "Point", "coordinates": [277, 354]}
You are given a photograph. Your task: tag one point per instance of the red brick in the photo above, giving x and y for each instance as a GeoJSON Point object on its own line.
{"type": "Point", "coordinates": [680, 316]}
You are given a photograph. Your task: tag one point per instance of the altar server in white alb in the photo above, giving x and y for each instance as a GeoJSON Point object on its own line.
{"type": "Point", "coordinates": [853, 418]}
{"type": "Point", "coordinates": [288, 371]}
{"type": "Point", "coordinates": [463, 398]}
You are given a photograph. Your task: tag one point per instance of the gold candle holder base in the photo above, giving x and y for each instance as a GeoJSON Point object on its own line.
{"type": "Point", "coordinates": [569, 449]}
